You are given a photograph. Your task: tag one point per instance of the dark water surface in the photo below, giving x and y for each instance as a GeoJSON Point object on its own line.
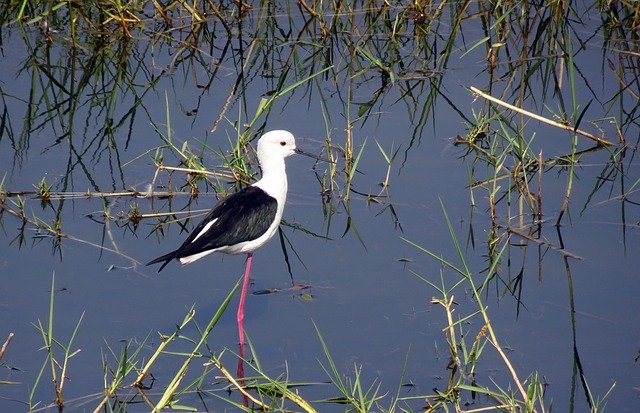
{"type": "Point", "coordinates": [371, 311]}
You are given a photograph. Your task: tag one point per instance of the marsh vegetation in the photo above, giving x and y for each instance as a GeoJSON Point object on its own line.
{"type": "Point", "coordinates": [516, 122]}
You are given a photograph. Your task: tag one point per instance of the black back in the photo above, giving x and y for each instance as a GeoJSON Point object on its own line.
{"type": "Point", "coordinates": [243, 216]}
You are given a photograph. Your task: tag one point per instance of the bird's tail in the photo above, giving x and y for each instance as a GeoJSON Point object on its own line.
{"type": "Point", "coordinates": [166, 258]}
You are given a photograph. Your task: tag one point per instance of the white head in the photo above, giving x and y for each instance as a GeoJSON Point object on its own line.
{"type": "Point", "coordinates": [276, 144]}
{"type": "Point", "coordinates": [273, 147]}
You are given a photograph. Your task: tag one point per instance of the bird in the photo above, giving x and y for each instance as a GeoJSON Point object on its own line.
{"type": "Point", "coordinates": [245, 220]}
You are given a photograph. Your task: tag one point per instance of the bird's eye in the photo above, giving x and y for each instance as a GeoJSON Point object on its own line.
{"type": "Point", "coordinates": [283, 143]}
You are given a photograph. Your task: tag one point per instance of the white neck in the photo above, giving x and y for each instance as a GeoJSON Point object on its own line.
{"type": "Point", "coordinates": [274, 179]}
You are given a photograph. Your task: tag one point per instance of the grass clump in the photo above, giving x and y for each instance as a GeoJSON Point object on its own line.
{"type": "Point", "coordinates": [464, 356]}
{"type": "Point", "coordinates": [58, 355]}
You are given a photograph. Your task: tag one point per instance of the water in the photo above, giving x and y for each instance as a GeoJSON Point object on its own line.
{"type": "Point", "coordinates": [370, 310]}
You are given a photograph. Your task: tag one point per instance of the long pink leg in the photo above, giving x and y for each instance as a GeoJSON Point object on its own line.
{"type": "Point", "coordinates": [240, 314]}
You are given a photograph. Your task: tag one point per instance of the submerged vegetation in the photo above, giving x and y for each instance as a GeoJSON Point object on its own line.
{"type": "Point", "coordinates": [94, 72]}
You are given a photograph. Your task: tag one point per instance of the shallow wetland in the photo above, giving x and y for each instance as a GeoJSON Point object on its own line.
{"type": "Point", "coordinates": [469, 243]}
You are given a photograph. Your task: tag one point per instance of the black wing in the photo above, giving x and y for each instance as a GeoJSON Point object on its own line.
{"type": "Point", "coordinates": [243, 216]}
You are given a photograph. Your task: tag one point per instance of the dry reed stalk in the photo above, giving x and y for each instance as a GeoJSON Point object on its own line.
{"type": "Point", "coordinates": [598, 140]}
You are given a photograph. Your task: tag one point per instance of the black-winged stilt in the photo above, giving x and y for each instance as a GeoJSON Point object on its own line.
{"type": "Point", "coordinates": [245, 220]}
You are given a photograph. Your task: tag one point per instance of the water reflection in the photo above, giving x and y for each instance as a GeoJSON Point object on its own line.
{"type": "Point", "coordinates": [132, 119]}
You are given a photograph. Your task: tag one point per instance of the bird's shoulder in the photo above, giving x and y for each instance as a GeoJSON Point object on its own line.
{"type": "Point", "coordinates": [248, 198]}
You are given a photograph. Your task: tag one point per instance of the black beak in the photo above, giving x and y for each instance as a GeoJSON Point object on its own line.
{"type": "Point", "coordinates": [310, 155]}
